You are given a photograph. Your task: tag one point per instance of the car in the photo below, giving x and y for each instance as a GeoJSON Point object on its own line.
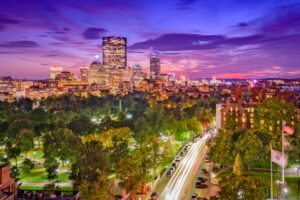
{"type": "Point", "coordinates": [204, 171]}
{"type": "Point", "coordinates": [194, 196]}
{"type": "Point", "coordinates": [185, 149]}
{"type": "Point", "coordinates": [154, 196]}
{"type": "Point", "coordinates": [178, 158]}
{"type": "Point", "coordinates": [203, 186]}
{"type": "Point", "coordinates": [174, 165]}
{"type": "Point", "coordinates": [200, 181]}
{"type": "Point", "coordinates": [207, 159]}
{"type": "Point", "coordinates": [169, 173]}
{"type": "Point", "coordinates": [172, 168]}
{"type": "Point", "coordinates": [181, 153]}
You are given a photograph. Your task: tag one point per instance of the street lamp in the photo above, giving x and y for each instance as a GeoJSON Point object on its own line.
{"type": "Point", "coordinates": [129, 116]}
{"type": "Point", "coordinates": [34, 156]}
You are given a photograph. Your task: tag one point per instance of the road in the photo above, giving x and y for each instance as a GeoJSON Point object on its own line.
{"type": "Point", "coordinates": [175, 187]}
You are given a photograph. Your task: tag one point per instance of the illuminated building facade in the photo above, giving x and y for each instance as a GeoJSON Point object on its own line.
{"type": "Point", "coordinates": [155, 64]}
{"type": "Point", "coordinates": [84, 74]}
{"type": "Point", "coordinates": [114, 52]}
{"type": "Point", "coordinates": [54, 71]}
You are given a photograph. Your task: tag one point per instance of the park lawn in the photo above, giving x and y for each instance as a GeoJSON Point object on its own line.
{"type": "Point", "coordinates": [265, 178]}
{"type": "Point", "coordinates": [41, 188]}
{"type": "Point", "coordinates": [39, 175]}
{"type": "Point", "coordinates": [38, 154]}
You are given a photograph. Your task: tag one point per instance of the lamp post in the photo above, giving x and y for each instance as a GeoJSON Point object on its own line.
{"type": "Point", "coordinates": [34, 156]}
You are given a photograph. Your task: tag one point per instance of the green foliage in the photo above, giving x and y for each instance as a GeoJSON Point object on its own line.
{"type": "Point", "coordinates": [250, 147]}
{"type": "Point", "coordinates": [14, 172]}
{"type": "Point", "coordinates": [27, 165]}
{"type": "Point", "coordinates": [240, 187]}
{"type": "Point", "coordinates": [270, 115]}
{"type": "Point", "coordinates": [95, 156]}
{"type": "Point", "coordinates": [194, 126]}
{"type": "Point", "coordinates": [96, 190]}
{"type": "Point", "coordinates": [238, 167]}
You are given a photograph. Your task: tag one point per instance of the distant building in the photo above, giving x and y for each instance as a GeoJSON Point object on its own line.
{"type": "Point", "coordinates": [137, 72]}
{"type": "Point", "coordinates": [114, 52]}
{"type": "Point", "coordinates": [54, 71]}
{"type": "Point", "coordinates": [84, 74]}
{"type": "Point", "coordinates": [155, 64]}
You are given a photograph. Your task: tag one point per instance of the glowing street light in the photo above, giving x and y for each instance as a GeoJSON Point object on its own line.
{"type": "Point", "coordinates": [128, 116]}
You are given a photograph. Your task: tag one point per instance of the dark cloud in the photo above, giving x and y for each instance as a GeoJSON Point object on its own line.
{"type": "Point", "coordinates": [93, 33]}
{"type": "Point", "coordinates": [21, 44]}
{"type": "Point", "coordinates": [6, 20]}
{"type": "Point", "coordinates": [51, 55]}
{"type": "Point", "coordinates": [186, 2]}
{"type": "Point", "coordinates": [11, 52]}
{"type": "Point", "coordinates": [243, 24]}
{"type": "Point", "coordinates": [284, 20]}
{"type": "Point", "coordinates": [178, 42]}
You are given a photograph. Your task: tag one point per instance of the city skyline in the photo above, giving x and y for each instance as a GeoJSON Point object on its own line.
{"type": "Point", "coordinates": [248, 39]}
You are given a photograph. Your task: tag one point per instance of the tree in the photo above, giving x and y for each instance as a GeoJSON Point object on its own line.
{"type": "Point", "coordinates": [238, 168]}
{"type": "Point", "coordinates": [271, 114]}
{"type": "Point", "coordinates": [194, 126]}
{"type": "Point", "coordinates": [91, 159]}
{"type": "Point", "coordinates": [14, 172]}
{"type": "Point", "coordinates": [25, 140]}
{"type": "Point", "coordinates": [250, 148]}
{"type": "Point", "coordinates": [240, 187]}
{"type": "Point", "coordinates": [132, 170]}
{"type": "Point", "coordinates": [27, 166]}
{"type": "Point", "coordinates": [81, 125]}
{"type": "Point", "coordinates": [12, 151]}
{"type": "Point", "coordinates": [221, 148]}
{"type": "Point", "coordinates": [96, 190]}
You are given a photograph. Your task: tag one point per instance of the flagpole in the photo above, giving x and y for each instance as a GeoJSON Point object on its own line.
{"type": "Point", "coordinates": [282, 148]}
{"type": "Point", "coordinates": [271, 171]}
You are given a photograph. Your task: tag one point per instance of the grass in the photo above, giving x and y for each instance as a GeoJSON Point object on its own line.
{"type": "Point", "coordinates": [292, 182]}
{"type": "Point", "coordinates": [39, 175]}
{"type": "Point", "coordinates": [41, 188]}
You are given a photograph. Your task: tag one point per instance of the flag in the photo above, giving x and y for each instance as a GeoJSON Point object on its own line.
{"type": "Point", "coordinates": [278, 158]}
{"type": "Point", "coordinates": [288, 130]}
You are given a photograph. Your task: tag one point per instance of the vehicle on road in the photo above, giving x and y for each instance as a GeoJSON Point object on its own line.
{"type": "Point", "coordinates": [200, 181]}
{"type": "Point", "coordinates": [194, 196]}
{"type": "Point", "coordinates": [181, 153]}
{"type": "Point", "coordinates": [207, 159]}
{"type": "Point", "coordinates": [154, 196]}
{"type": "Point", "coordinates": [169, 173]}
{"type": "Point", "coordinates": [174, 165]}
{"type": "Point", "coordinates": [178, 158]}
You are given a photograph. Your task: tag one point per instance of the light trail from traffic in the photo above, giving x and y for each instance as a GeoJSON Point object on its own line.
{"type": "Point", "coordinates": [173, 190]}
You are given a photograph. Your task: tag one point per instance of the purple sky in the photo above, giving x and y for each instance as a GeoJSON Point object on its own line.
{"type": "Point", "coordinates": [196, 38]}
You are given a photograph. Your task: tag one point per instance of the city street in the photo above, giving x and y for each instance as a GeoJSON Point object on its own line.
{"type": "Point", "coordinates": [176, 186]}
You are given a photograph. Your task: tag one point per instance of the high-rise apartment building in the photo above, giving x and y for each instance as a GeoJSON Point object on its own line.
{"type": "Point", "coordinates": [84, 74]}
{"type": "Point", "coordinates": [137, 71]}
{"type": "Point", "coordinates": [154, 64]}
{"type": "Point", "coordinates": [54, 71]}
{"type": "Point", "coordinates": [114, 52]}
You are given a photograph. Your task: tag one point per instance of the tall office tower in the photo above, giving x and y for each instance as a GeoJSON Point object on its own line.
{"type": "Point", "coordinates": [84, 74]}
{"type": "Point", "coordinates": [54, 71]}
{"type": "Point", "coordinates": [155, 64]}
{"type": "Point", "coordinates": [137, 71]}
{"type": "Point", "coordinates": [114, 52]}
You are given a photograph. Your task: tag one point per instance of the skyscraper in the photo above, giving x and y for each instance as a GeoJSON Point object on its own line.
{"type": "Point", "coordinates": [137, 71]}
{"type": "Point", "coordinates": [155, 64]}
{"type": "Point", "coordinates": [114, 52]}
{"type": "Point", "coordinates": [54, 71]}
